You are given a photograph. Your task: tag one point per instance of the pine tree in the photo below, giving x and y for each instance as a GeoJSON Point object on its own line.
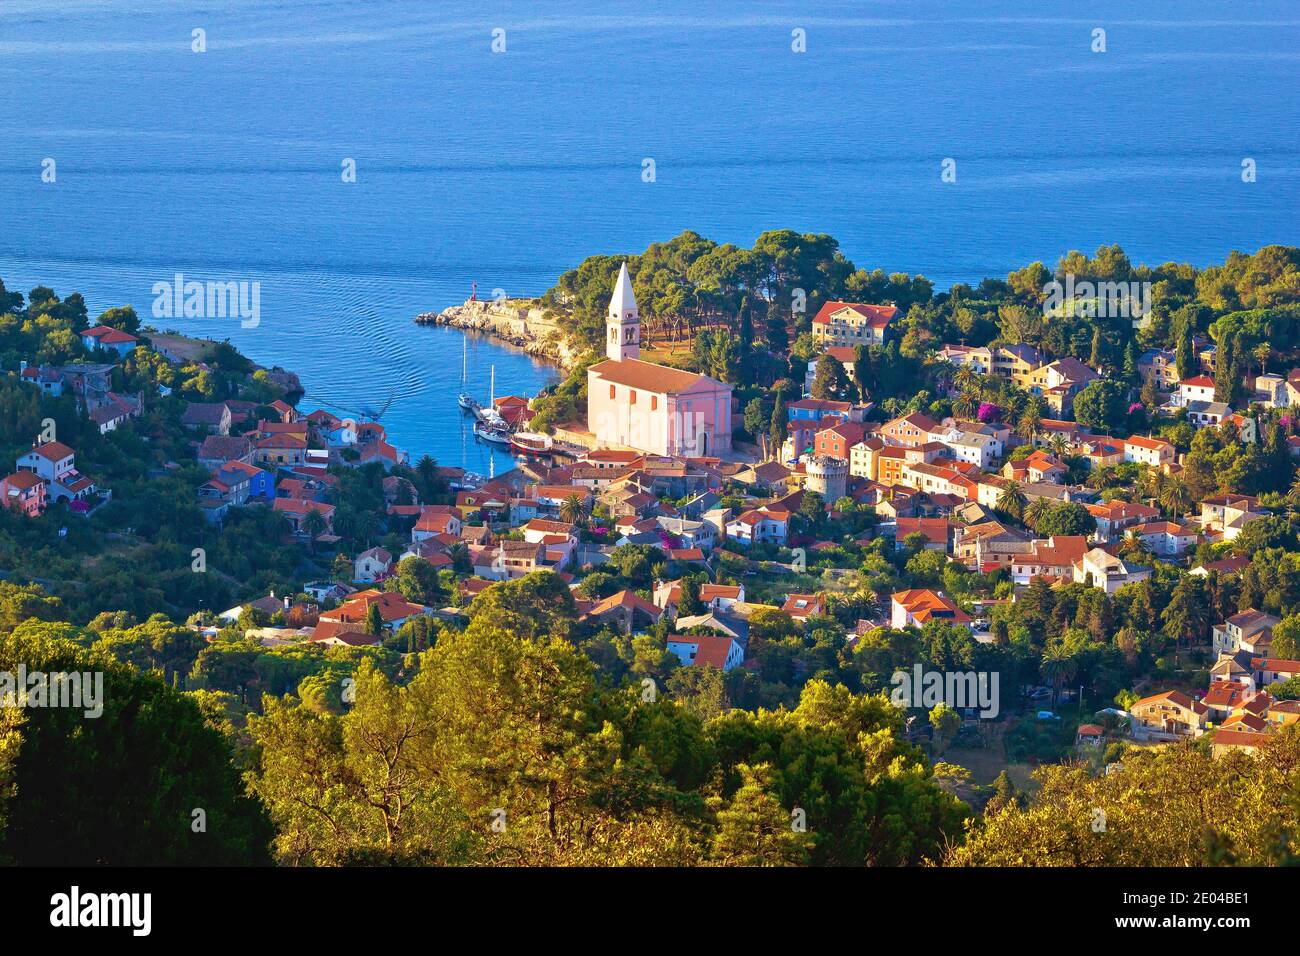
{"type": "Point", "coordinates": [829, 382]}
{"type": "Point", "coordinates": [1224, 366]}
{"type": "Point", "coordinates": [862, 370]}
{"type": "Point", "coordinates": [754, 830]}
{"type": "Point", "coordinates": [1185, 356]}
{"type": "Point", "coordinates": [779, 423]}
{"type": "Point", "coordinates": [745, 365]}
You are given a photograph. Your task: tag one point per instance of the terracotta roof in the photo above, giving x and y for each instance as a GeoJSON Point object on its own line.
{"type": "Point", "coordinates": [647, 376]}
{"type": "Point", "coordinates": [878, 316]}
{"type": "Point", "coordinates": [1174, 697]}
{"type": "Point", "coordinates": [107, 335]}
{"type": "Point", "coordinates": [52, 451]}
{"type": "Point", "coordinates": [626, 599]}
{"type": "Point", "coordinates": [298, 506]}
{"type": "Point", "coordinates": [1154, 444]}
{"type": "Point", "coordinates": [1238, 738]}
{"type": "Point", "coordinates": [923, 604]}
{"type": "Point", "coordinates": [23, 480]}
{"type": "Point", "coordinates": [709, 649]}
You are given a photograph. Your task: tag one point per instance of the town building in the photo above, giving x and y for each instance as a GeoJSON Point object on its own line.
{"type": "Point", "coordinates": [647, 407]}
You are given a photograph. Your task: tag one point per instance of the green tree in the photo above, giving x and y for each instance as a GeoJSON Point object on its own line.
{"type": "Point", "coordinates": [575, 509]}
{"type": "Point", "coordinates": [829, 381]}
{"type": "Point", "coordinates": [119, 788]}
{"type": "Point", "coordinates": [945, 723]}
{"type": "Point", "coordinates": [754, 829]}
{"type": "Point", "coordinates": [1101, 406]}
{"type": "Point", "coordinates": [1011, 500]}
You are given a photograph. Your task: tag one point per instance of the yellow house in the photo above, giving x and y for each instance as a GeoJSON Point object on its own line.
{"type": "Point", "coordinates": [852, 323]}
{"type": "Point", "coordinates": [1168, 716]}
{"type": "Point", "coordinates": [864, 459]}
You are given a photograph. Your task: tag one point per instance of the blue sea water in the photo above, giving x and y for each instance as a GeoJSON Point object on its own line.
{"type": "Point", "coordinates": [507, 168]}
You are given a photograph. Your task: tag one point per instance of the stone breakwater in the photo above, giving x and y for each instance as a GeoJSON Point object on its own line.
{"type": "Point", "coordinates": [521, 323]}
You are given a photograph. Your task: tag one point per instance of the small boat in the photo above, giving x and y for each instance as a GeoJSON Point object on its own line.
{"type": "Point", "coordinates": [531, 443]}
{"type": "Point", "coordinates": [491, 433]}
{"type": "Point", "coordinates": [465, 400]}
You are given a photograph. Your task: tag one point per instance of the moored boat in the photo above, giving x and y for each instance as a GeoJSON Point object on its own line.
{"type": "Point", "coordinates": [531, 443]}
{"type": "Point", "coordinates": [491, 433]}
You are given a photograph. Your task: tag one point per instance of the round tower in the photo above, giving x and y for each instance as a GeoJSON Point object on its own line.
{"type": "Point", "coordinates": [828, 476]}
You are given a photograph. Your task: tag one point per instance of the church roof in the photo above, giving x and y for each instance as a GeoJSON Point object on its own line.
{"type": "Point", "coordinates": [647, 376]}
{"type": "Point", "coordinates": [623, 300]}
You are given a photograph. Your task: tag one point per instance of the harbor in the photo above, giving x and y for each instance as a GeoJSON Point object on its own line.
{"type": "Point", "coordinates": [500, 422]}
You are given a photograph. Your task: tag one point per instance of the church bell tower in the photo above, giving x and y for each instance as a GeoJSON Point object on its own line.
{"type": "Point", "coordinates": [623, 324]}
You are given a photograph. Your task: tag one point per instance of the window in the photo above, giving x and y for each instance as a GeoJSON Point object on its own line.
{"type": "Point", "coordinates": [632, 397]}
{"type": "Point", "coordinates": [611, 391]}
{"type": "Point", "coordinates": [654, 402]}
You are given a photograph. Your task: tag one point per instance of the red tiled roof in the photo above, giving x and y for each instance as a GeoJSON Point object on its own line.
{"type": "Point", "coordinates": [877, 316]}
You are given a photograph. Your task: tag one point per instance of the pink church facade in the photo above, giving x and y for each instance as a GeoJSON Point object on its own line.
{"type": "Point", "coordinates": [652, 408]}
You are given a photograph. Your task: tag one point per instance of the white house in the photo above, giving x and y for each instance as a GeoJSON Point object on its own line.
{"type": "Point", "coordinates": [1198, 388]}
{"type": "Point", "coordinates": [759, 526]}
{"type": "Point", "coordinates": [722, 652]}
{"type": "Point", "coordinates": [371, 565]}
{"type": "Point", "coordinates": [55, 464]}
{"type": "Point", "coordinates": [1148, 451]}
{"type": "Point", "coordinates": [1101, 569]}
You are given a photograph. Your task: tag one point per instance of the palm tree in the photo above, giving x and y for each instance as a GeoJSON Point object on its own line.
{"type": "Point", "coordinates": [1176, 497]}
{"type": "Point", "coordinates": [1027, 424]}
{"type": "Point", "coordinates": [1060, 665]}
{"type": "Point", "coordinates": [1012, 500]}
{"type": "Point", "coordinates": [1153, 484]}
{"type": "Point", "coordinates": [1262, 352]}
{"type": "Point", "coordinates": [1058, 444]}
{"type": "Point", "coordinates": [964, 379]}
{"type": "Point", "coordinates": [1036, 510]}
{"type": "Point", "coordinates": [364, 526]}
{"type": "Point", "coordinates": [313, 525]}
{"type": "Point", "coordinates": [575, 509]}
{"type": "Point", "coordinates": [1134, 548]}
{"type": "Point", "coordinates": [966, 404]}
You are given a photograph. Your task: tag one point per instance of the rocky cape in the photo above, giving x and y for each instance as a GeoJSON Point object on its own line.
{"type": "Point", "coordinates": [520, 322]}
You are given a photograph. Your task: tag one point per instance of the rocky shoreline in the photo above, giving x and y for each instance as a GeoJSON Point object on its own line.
{"type": "Point", "coordinates": [522, 323]}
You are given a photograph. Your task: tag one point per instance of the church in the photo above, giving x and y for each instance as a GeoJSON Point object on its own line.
{"type": "Point", "coordinates": [652, 408]}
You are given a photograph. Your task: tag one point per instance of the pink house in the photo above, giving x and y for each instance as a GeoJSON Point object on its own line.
{"type": "Point", "coordinates": [23, 491]}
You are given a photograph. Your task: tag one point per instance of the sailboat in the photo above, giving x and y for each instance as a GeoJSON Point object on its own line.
{"type": "Point", "coordinates": [465, 400]}
{"type": "Point", "coordinates": [496, 434]}
{"type": "Point", "coordinates": [489, 414]}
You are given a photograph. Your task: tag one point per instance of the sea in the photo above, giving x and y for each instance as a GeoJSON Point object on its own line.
{"type": "Point", "coordinates": [364, 162]}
